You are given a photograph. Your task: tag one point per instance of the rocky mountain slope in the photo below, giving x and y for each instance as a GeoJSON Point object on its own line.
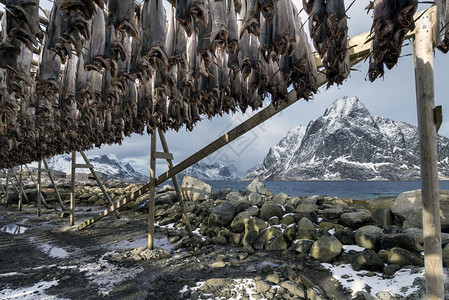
{"type": "Point", "coordinates": [348, 143]}
{"type": "Point", "coordinates": [215, 171]}
{"type": "Point", "coordinates": [106, 164]}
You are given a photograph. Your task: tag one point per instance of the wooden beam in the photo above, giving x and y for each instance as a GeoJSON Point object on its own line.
{"type": "Point", "coordinates": [20, 188]}
{"type": "Point", "coordinates": [54, 184]}
{"type": "Point", "coordinates": [152, 192]}
{"type": "Point", "coordinates": [72, 190]}
{"type": "Point", "coordinates": [7, 188]}
{"type": "Point", "coordinates": [163, 155]}
{"type": "Point", "coordinates": [424, 81]}
{"type": "Point", "coordinates": [175, 184]}
{"type": "Point", "coordinates": [39, 164]}
{"type": "Point", "coordinates": [84, 166]}
{"type": "Point", "coordinates": [41, 197]}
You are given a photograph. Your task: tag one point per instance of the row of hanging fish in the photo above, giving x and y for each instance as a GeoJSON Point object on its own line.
{"type": "Point", "coordinates": [329, 32]}
{"type": "Point", "coordinates": [442, 26]}
{"type": "Point", "coordinates": [122, 74]}
{"type": "Point", "coordinates": [391, 22]}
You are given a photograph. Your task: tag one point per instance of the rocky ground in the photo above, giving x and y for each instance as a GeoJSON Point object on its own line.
{"type": "Point", "coordinates": [246, 245]}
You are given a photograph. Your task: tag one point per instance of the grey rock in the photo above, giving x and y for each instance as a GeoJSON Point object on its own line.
{"type": "Point", "coordinates": [368, 237]}
{"type": "Point", "coordinates": [238, 224]}
{"type": "Point", "coordinates": [193, 189]}
{"type": "Point", "coordinates": [302, 246]}
{"type": "Point", "coordinates": [287, 219]}
{"type": "Point", "coordinates": [234, 196]}
{"type": "Point", "coordinates": [332, 213]}
{"type": "Point", "coordinates": [256, 224]}
{"type": "Point", "coordinates": [294, 288]}
{"type": "Point", "coordinates": [355, 220]}
{"type": "Point", "coordinates": [346, 236]}
{"type": "Point", "coordinates": [290, 232]}
{"type": "Point", "coordinates": [273, 278]}
{"type": "Point", "coordinates": [403, 257]}
{"type": "Point", "coordinates": [417, 234]}
{"type": "Point", "coordinates": [254, 198]}
{"type": "Point", "coordinates": [306, 230]}
{"type": "Point", "coordinates": [446, 256]}
{"type": "Point", "coordinates": [249, 237]}
{"type": "Point", "coordinates": [262, 286]}
{"type": "Point", "coordinates": [277, 243]}
{"type": "Point", "coordinates": [401, 240]}
{"type": "Point", "coordinates": [367, 260]}
{"type": "Point", "coordinates": [306, 208]}
{"type": "Point", "coordinates": [256, 186]}
{"type": "Point", "coordinates": [219, 240]}
{"type": "Point", "coordinates": [325, 248]}
{"type": "Point", "coordinates": [280, 198]}
{"type": "Point", "coordinates": [270, 209]}
{"type": "Point", "coordinates": [313, 293]}
{"type": "Point", "coordinates": [266, 235]}
{"type": "Point", "coordinates": [242, 205]}
{"type": "Point", "coordinates": [222, 214]}
{"type": "Point", "coordinates": [214, 282]}
{"type": "Point", "coordinates": [391, 269]}
{"type": "Point", "coordinates": [383, 216]}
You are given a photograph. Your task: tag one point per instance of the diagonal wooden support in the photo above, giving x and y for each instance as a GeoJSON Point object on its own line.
{"type": "Point", "coordinates": [72, 190]}
{"type": "Point", "coordinates": [7, 188]}
{"type": "Point", "coordinates": [94, 174]}
{"type": "Point", "coordinates": [17, 188]}
{"type": "Point", "coordinates": [360, 51]}
{"type": "Point", "coordinates": [152, 191]}
{"type": "Point", "coordinates": [54, 185]}
{"type": "Point", "coordinates": [40, 197]}
{"type": "Point", "coordinates": [175, 183]}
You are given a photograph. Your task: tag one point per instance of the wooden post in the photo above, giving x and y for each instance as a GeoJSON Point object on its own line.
{"type": "Point", "coordinates": [152, 191]}
{"type": "Point", "coordinates": [94, 174]}
{"type": "Point", "coordinates": [39, 165]}
{"type": "Point", "coordinates": [423, 50]}
{"type": "Point", "coordinates": [54, 185]}
{"type": "Point", "coordinates": [7, 188]}
{"type": "Point", "coordinates": [20, 188]}
{"type": "Point", "coordinates": [72, 191]}
{"type": "Point", "coordinates": [17, 189]}
{"type": "Point", "coordinates": [175, 184]}
{"type": "Point", "coordinates": [42, 198]}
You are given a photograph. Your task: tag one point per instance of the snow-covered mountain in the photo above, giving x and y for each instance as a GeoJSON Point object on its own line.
{"type": "Point", "coordinates": [106, 164]}
{"type": "Point", "coordinates": [348, 143]}
{"type": "Point", "coordinates": [215, 171]}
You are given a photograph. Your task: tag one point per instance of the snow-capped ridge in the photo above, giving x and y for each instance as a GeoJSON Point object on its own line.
{"type": "Point", "coordinates": [214, 171]}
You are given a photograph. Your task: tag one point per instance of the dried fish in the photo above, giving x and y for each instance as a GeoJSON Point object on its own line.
{"type": "Point", "coordinates": [219, 34]}
{"type": "Point", "coordinates": [200, 11]}
{"type": "Point", "coordinates": [267, 7]}
{"type": "Point", "coordinates": [96, 60]}
{"type": "Point", "coordinates": [233, 36]}
{"type": "Point", "coordinates": [22, 21]}
{"type": "Point", "coordinates": [317, 27]}
{"type": "Point", "coordinates": [122, 16]}
{"type": "Point", "coordinates": [383, 21]}
{"type": "Point", "coordinates": [157, 34]}
{"type": "Point", "coordinates": [183, 15]}
{"type": "Point", "coordinates": [441, 26]}
{"type": "Point", "coordinates": [244, 55]}
{"type": "Point", "coordinates": [283, 28]}
{"type": "Point", "coordinates": [251, 19]}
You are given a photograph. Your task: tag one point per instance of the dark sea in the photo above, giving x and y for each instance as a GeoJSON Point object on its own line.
{"type": "Point", "coordinates": [360, 190]}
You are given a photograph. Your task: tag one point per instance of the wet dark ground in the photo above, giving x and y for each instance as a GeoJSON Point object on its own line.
{"type": "Point", "coordinates": [47, 259]}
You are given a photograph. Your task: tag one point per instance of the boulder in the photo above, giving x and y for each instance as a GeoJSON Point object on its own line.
{"type": "Point", "coordinates": [222, 214]}
{"type": "Point", "coordinates": [401, 240]}
{"type": "Point", "coordinates": [287, 219]}
{"type": "Point", "coordinates": [254, 198]}
{"type": "Point", "coordinates": [255, 224]}
{"type": "Point", "coordinates": [276, 243]}
{"type": "Point", "coordinates": [367, 260]}
{"type": "Point", "coordinates": [346, 236]}
{"type": "Point", "coordinates": [234, 196]}
{"type": "Point", "coordinates": [221, 194]}
{"type": "Point", "coordinates": [306, 230]}
{"type": "Point", "coordinates": [355, 220]}
{"type": "Point", "coordinates": [265, 235]}
{"type": "Point", "coordinates": [383, 216]}
{"type": "Point", "coordinates": [446, 256]}
{"type": "Point", "coordinates": [332, 213]}
{"type": "Point", "coordinates": [280, 198]}
{"type": "Point", "coordinates": [249, 237]}
{"type": "Point", "coordinates": [238, 224]}
{"type": "Point", "coordinates": [294, 288]}
{"type": "Point", "coordinates": [262, 286]}
{"type": "Point", "coordinates": [193, 189]}
{"type": "Point", "coordinates": [368, 237]}
{"type": "Point", "coordinates": [325, 248]}
{"type": "Point", "coordinates": [302, 246]}
{"type": "Point", "coordinates": [219, 240]}
{"type": "Point", "coordinates": [404, 257]}
{"type": "Point", "coordinates": [306, 208]}
{"type": "Point", "coordinates": [417, 234]}
{"type": "Point", "coordinates": [290, 232]}
{"type": "Point", "coordinates": [408, 208]}
{"type": "Point", "coordinates": [256, 186]}
{"type": "Point", "coordinates": [168, 198]}
{"type": "Point", "coordinates": [242, 204]}
{"type": "Point", "coordinates": [270, 209]}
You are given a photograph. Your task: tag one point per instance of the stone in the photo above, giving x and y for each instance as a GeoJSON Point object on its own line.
{"type": "Point", "coordinates": [256, 186]}
{"type": "Point", "coordinates": [64, 214]}
{"type": "Point", "coordinates": [346, 236]}
{"type": "Point", "coordinates": [325, 248]}
{"type": "Point", "coordinates": [193, 189]}
{"type": "Point", "coordinates": [218, 265]}
{"type": "Point", "coordinates": [270, 209]}
{"type": "Point", "coordinates": [302, 246]}
{"type": "Point", "coordinates": [401, 240]}
{"type": "Point", "coordinates": [276, 243]}
{"type": "Point", "coordinates": [218, 282]}
{"type": "Point", "coordinates": [280, 198]}
{"type": "Point", "coordinates": [85, 196]}
{"type": "Point", "coordinates": [265, 235]}
{"type": "Point", "coordinates": [222, 214]}
{"type": "Point", "coordinates": [446, 256]}
{"type": "Point", "coordinates": [219, 240]}
{"type": "Point", "coordinates": [313, 293]}
{"type": "Point", "coordinates": [403, 257]}
{"type": "Point", "coordinates": [408, 208]}
{"type": "Point", "coordinates": [367, 260]}
{"type": "Point", "coordinates": [238, 224]}
{"type": "Point", "coordinates": [273, 278]}
{"type": "Point", "coordinates": [391, 269]}
{"type": "Point", "coordinates": [294, 288]}
{"type": "Point", "coordinates": [256, 224]}
{"type": "Point", "coordinates": [328, 226]}
{"type": "Point", "coordinates": [290, 232]}
{"type": "Point", "coordinates": [306, 230]}
{"type": "Point", "coordinates": [262, 286]}
{"type": "Point", "coordinates": [234, 196]}
{"type": "Point", "coordinates": [235, 238]}
{"type": "Point", "coordinates": [254, 198]}
{"type": "Point", "coordinates": [332, 213]}
{"type": "Point", "coordinates": [368, 237]}
{"type": "Point", "coordinates": [418, 235]}
{"type": "Point", "coordinates": [92, 199]}
{"type": "Point", "coordinates": [306, 208]}
{"type": "Point", "coordinates": [242, 205]}
{"type": "Point", "coordinates": [165, 188]}
{"type": "Point", "coordinates": [221, 194]}
{"type": "Point", "coordinates": [383, 216]}
{"type": "Point", "coordinates": [99, 202]}
{"type": "Point", "coordinates": [288, 219]}
{"type": "Point", "coordinates": [355, 220]}
{"type": "Point", "coordinates": [249, 237]}
{"type": "Point", "coordinates": [168, 198]}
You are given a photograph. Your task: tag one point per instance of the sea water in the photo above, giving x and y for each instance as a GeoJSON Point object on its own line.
{"type": "Point", "coordinates": [360, 190]}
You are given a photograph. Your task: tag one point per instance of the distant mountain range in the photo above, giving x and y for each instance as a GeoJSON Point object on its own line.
{"type": "Point", "coordinates": [215, 171]}
{"type": "Point", "coordinates": [348, 143]}
{"type": "Point", "coordinates": [107, 164]}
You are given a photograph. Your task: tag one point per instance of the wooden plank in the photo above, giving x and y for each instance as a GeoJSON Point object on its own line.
{"type": "Point", "coordinates": [20, 189]}
{"type": "Point", "coordinates": [42, 198]}
{"type": "Point", "coordinates": [72, 190]}
{"type": "Point", "coordinates": [84, 166]}
{"type": "Point", "coordinates": [152, 192]}
{"type": "Point", "coordinates": [424, 81]}
{"type": "Point", "coordinates": [163, 155]}
{"type": "Point", "coordinates": [7, 188]}
{"type": "Point", "coordinates": [175, 184]}
{"type": "Point", "coordinates": [94, 174]}
{"type": "Point", "coordinates": [54, 184]}
{"type": "Point", "coordinates": [39, 164]}
{"type": "Point", "coordinates": [241, 129]}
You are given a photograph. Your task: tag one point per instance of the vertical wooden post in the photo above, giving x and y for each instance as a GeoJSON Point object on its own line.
{"type": "Point", "coordinates": [423, 49]}
{"type": "Point", "coordinates": [7, 187]}
{"type": "Point", "coordinates": [39, 188]}
{"type": "Point", "coordinates": [175, 184]}
{"type": "Point", "coordinates": [72, 191]}
{"type": "Point", "coordinates": [54, 185]}
{"type": "Point", "coordinates": [20, 188]}
{"type": "Point", "coordinates": [152, 191]}
{"type": "Point", "coordinates": [17, 189]}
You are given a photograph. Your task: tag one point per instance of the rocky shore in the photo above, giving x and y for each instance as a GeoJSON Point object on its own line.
{"type": "Point", "coordinates": [255, 245]}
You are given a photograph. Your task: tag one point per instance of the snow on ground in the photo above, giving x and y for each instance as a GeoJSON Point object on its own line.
{"type": "Point", "coordinates": [355, 248]}
{"type": "Point", "coordinates": [400, 284]}
{"type": "Point", "coordinates": [37, 291]}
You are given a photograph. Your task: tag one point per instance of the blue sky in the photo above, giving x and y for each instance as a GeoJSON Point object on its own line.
{"type": "Point", "coordinates": [392, 97]}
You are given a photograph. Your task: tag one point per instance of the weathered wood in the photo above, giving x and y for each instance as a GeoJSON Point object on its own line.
{"type": "Point", "coordinates": [72, 190]}
{"type": "Point", "coordinates": [175, 184]}
{"type": "Point", "coordinates": [424, 81]}
{"type": "Point", "coordinates": [84, 166]}
{"type": "Point", "coordinates": [42, 198]}
{"type": "Point", "coordinates": [152, 192]}
{"type": "Point", "coordinates": [94, 174]}
{"type": "Point", "coordinates": [16, 187]}
{"type": "Point", "coordinates": [163, 155]}
{"type": "Point", "coordinates": [20, 188]}
{"type": "Point", "coordinates": [7, 188]}
{"type": "Point", "coordinates": [53, 183]}
{"type": "Point", "coordinates": [39, 164]}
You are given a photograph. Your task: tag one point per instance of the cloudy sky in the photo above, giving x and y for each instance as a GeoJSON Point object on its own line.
{"type": "Point", "coordinates": [392, 97]}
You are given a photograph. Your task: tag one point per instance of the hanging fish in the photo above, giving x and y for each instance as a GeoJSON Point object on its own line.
{"type": "Point", "coordinates": [317, 27]}
{"type": "Point", "coordinates": [283, 28]}
{"type": "Point", "coordinates": [376, 69]}
{"type": "Point", "coordinates": [157, 34]}
{"type": "Point", "coordinates": [86, 8]}
{"type": "Point", "coordinates": [251, 19]}
{"type": "Point", "coordinates": [49, 69]}
{"type": "Point", "coordinates": [441, 26]}
{"type": "Point", "coordinates": [55, 41]}
{"type": "Point", "coordinates": [200, 11]}
{"type": "Point", "coordinates": [383, 21]}
{"type": "Point", "coordinates": [183, 15]}
{"type": "Point", "coordinates": [205, 46]}
{"type": "Point", "coordinates": [219, 34]}
{"type": "Point", "coordinates": [266, 40]}
{"type": "Point", "coordinates": [97, 45]}
{"type": "Point", "coordinates": [405, 11]}
{"type": "Point", "coordinates": [122, 16]}
{"type": "Point", "coordinates": [244, 55]}
{"type": "Point", "coordinates": [233, 36]}
{"type": "Point", "coordinates": [336, 18]}
{"type": "Point", "coordinates": [69, 80]}
{"type": "Point", "coordinates": [267, 7]}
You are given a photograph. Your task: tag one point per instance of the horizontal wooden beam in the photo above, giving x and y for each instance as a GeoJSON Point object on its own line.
{"type": "Point", "coordinates": [163, 155]}
{"type": "Point", "coordinates": [84, 166]}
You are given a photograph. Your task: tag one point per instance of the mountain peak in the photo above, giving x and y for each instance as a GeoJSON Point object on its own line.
{"type": "Point", "coordinates": [346, 106]}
